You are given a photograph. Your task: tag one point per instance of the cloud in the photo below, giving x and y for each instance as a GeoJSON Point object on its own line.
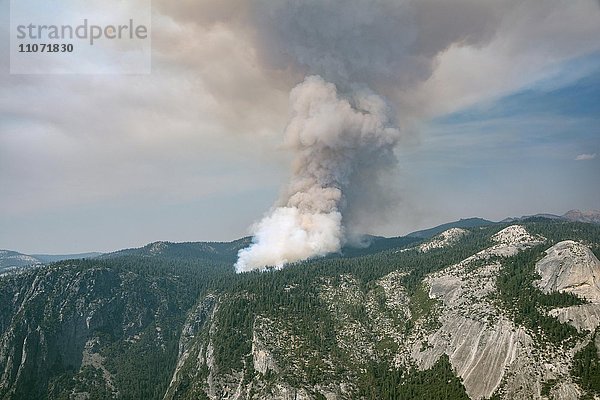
{"type": "Point", "coordinates": [585, 157]}
{"type": "Point", "coordinates": [530, 43]}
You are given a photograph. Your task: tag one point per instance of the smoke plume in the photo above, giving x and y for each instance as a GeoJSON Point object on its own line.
{"type": "Point", "coordinates": [333, 137]}
{"type": "Point", "coordinates": [341, 129]}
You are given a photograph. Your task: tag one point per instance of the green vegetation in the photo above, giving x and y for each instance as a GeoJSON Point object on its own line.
{"type": "Point", "coordinates": [548, 386]}
{"type": "Point", "coordinates": [136, 305]}
{"type": "Point", "coordinates": [439, 382]}
{"type": "Point", "coordinates": [557, 231]}
{"type": "Point", "coordinates": [586, 369]}
{"type": "Point", "coordinates": [379, 382]}
{"type": "Point", "coordinates": [422, 306]}
{"type": "Point", "coordinates": [528, 305]}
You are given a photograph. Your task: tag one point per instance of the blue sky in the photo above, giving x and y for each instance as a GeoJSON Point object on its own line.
{"type": "Point", "coordinates": [516, 154]}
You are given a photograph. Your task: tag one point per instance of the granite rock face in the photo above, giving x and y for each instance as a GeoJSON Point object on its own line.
{"type": "Point", "coordinates": [446, 238]}
{"type": "Point", "coordinates": [585, 317]}
{"type": "Point", "coordinates": [573, 268]}
{"type": "Point", "coordinates": [482, 343]}
{"type": "Point", "coordinates": [570, 267]}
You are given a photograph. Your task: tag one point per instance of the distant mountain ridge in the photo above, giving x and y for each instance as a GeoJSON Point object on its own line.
{"type": "Point", "coordinates": [592, 216]}
{"type": "Point", "coordinates": [14, 259]}
{"type": "Point", "coordinates": [462, 223]}
{"type": "Point", "coordinates": [589, 216]}
{"type": "Point", "coordinates": [222, 251]}
{"type": "Point", "coordinates": [227, 251]}
{"type": "Point", "coordinates": [9, 258]}
{"type": "Point", "coordinates": [524, 217]}
{"type": "Point", "coordinates": [48, 258]}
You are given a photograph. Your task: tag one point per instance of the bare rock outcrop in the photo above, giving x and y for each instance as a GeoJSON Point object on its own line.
{"type": "Point", "coordinates": [484, 345]}
{"type": "Point", "coordinates": [444, 239]}
{"type": "Point", "coordinates": [511, 240]}
{"type": "Point", "coordinates": [480, 342]}
{"type": "Point", "coordinates": [582, 317]}
{"type": "Point", "coordinates": [570, 267]}
{"type": "Point", "coordinates": [261, 355]}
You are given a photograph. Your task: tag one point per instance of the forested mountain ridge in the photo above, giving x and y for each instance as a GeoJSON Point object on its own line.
{"type": "Point", "coordinates": [210, 251]}
{"type": "Point", "coordinates": [455, 317]}
{"type": "Point", "coordinates": [13, 259]}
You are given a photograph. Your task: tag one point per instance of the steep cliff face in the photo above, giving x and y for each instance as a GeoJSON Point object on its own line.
{"type": "Point", "coordinates": [273, 369]}
{"type": "Point", "coordinates": [570, 267]}
{"type": "Point", "coordinates": [573, 268]}
{"type": "Point", "coordinates": [52, 316]}
{"type": "Point", "coordinates": [77, 331]}
{"type": "Point", "coordinates": [485, 346]}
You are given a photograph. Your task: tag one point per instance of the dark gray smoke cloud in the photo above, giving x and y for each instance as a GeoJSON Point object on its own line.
{"type": "Point", "coordinates": [376, 43]}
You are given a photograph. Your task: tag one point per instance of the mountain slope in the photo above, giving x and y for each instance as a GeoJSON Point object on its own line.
{"type": "Point", "coordinates": [366, 319]}
{"type": "Point", "coordinates": [572, 268]}
{"type": "Point", "coordinates": [94, 327]}
{"type": "Point", "coordinates": [50, 258]}
{"type": "Point", "coordinates": [213, 251]}
{"type": "Point", "coordinates": [591, 216]}
{"type": "Point", "coordinates": [11, 259]}
{"type": "Point", "coordinates": [463, 319]}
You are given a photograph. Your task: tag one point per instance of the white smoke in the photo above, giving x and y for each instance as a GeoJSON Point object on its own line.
{"type": "Point", "coordinates": [332, 138]}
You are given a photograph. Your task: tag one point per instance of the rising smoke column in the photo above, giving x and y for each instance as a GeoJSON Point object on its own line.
{"type": "Point", "coordinates": [332, 137]}
{"type": "Point", "coordinates": [355, 53]}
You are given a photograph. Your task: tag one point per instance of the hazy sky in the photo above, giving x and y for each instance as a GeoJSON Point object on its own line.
{"type": "Point", "coordinates": [499, 103]}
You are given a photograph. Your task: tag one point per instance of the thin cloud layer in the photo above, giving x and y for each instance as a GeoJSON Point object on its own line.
{"type": "Point", "coordinates": [585, 157]}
